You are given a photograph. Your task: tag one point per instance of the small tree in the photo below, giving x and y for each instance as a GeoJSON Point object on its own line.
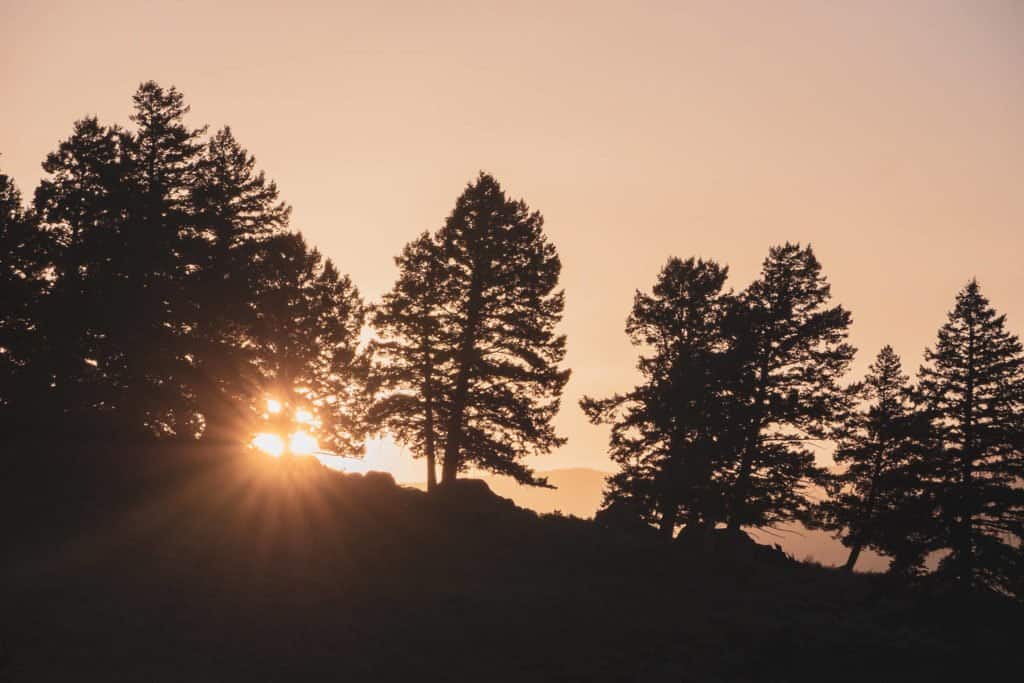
{"type": "Point", "coordinates": [412, 360]}
{"type": "Point", "coordinates": [878, 448]}
{"type": "Point", "coordinates": [972, 390]}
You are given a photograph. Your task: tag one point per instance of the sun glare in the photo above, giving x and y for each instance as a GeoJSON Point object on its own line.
{"type": "Point", "coordinates": [303, 443]}
{"type": "Point", "coordinates": [299, 442]}
{"type": "Point", "coordinates": [271, 444]}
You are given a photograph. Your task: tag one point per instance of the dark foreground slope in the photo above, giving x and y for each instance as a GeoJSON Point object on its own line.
{"type": "Point", "coordinates": [155, 566]}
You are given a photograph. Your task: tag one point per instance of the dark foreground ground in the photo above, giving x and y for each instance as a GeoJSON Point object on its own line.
{"type": "Point", "coordinates": [162, 566]}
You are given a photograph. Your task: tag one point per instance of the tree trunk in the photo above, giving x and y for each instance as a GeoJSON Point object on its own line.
{"type": "Point", "coordinates": [868, 509]}
{"type": "Point", "coordinates": [667, 525]}
{"type": "Point", "coordinates": [431, 472]}
{"type": "Point", "coordinates": [739, 492]}
{"type": "Point", "coordinates": [429, 445]}
{"type": "Point", "coordinates": [450, 468]}
{"type": "Point", "coordinates": [852, 559]}
{"type": "Point", "coordinates": [453, 440]}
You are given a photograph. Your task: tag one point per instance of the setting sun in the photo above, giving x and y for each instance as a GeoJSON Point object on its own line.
{"type": "Point", "coordinates": [271, 444]}
{"type": "Point", "coordinates": [302, 443]}
{"type": "Point", "coordinates": [299, 443]}
{"type": "Point", "coordinates": [281, 440]}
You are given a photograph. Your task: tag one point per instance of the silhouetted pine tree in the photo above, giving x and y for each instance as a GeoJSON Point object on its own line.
{"type": "Point", "coordinates": [470, 356]}
{"type": "Point", "coordinates": [237, 210]}
{"type": "Point", "coordinates": [792, 350]}
{"type": "Point", "coordinates": [305, 340]}
{"type": "Point", "coordinates": [874, 497]}
{"type": "Point", "coordinates": [972, 389]}
{"type": "Point", "coordinates": [83, 204]}
{"type": "Point", "coordinates": [158, 256]}
{"type": "Point", "coordinates": [412, 359]}
{"type": "Point", "coordinates": [500, 312]}
{"type": "Point", "coordinates": [23, 371]}
{"type": "Point", "coordinates": [668, 434]}
{"type": "Point", "coordinates": [170, 299]}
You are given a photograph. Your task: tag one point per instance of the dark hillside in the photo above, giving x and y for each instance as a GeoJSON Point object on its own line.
{"type": "Point", "coordinates": [164, 566]}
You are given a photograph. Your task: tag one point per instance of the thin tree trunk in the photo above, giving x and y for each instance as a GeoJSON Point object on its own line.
{"type": "Point", "coordinates": [740, 488]}
{"type": "Point", "coordinates": [430, 449]}
{"type": "Point", "coordinates": [667, 525]}
{"type": "Point", "coordinates": [963, 535]}
{"type": "Point", "coordinates": [429, 442]}
{"type": "Point", "coordinates": [431, 473]}
{"type": "Point", "coordinates": [868, 510]}
{"type": "Point", "coordinates": [740, 491]}
{"type": "Point", "coordinates": [852, 559]}
{"type": "Point", "coordinates": [453, 441]}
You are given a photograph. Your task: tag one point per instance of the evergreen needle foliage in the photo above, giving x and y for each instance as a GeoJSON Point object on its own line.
{"type": "Point", "coordinates": [471, 354]}
{"type": "Point", "coordinates": [156, 293]}
{"type": "Point", "coordinates": [971, 389]}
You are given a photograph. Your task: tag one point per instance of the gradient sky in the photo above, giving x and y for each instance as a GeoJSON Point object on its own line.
{"type": "Point", "coordinates": [889, 135]}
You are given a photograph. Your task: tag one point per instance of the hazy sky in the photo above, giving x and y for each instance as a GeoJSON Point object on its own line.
{"type": "Point", "coordinates": [890, 135]}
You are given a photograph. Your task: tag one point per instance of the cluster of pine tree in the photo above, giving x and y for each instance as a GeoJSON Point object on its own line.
{"type": "Point", "coordinates": [738, 387]}
{"type": "Point", "coordinates": [153, 289]}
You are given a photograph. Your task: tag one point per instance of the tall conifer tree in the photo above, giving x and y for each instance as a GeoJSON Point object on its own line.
{"type": "Point", "coordinates": [972, 389]}
{"type": "Point", "coordinates": [159, 255]}
{"type": "Point", "coordinates": [83, 204]}
{"type": "Point", "coordinates": [500, 278]}
{"type": "Point", "coordinates": [237, 211]}
{"type": "Point", "coordinates": [482, 292]}
{"type": "Point", "coordinates": [792, 350]}
{"type": "Point", "coordinates": [24, 375]}
{"type": "Point", "coordinates": [669, 434]}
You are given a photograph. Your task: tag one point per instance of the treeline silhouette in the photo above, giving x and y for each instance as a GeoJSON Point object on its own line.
{"type": "Point", "coordinates": [738, 387]}
{"type": "Point", "coordinates": [153, 290]}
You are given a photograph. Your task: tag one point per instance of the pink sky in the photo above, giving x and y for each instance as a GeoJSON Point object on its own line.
{"type": "Point", "coordinates": [889, 135]}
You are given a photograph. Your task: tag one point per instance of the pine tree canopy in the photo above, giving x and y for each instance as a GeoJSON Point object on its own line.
{"type": "Point", "coordinates": [875, 498]}
{"type": "Point", "coordinates": [971, 388]}
{"type": "Point", "coordinates": [470, 332]}
{"type": "Point", "coordinates": [169, 278]}
{"type": "Point", "coordinates": [668, 434]}
{"type": "Point", "coordinates": [791, 351]}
